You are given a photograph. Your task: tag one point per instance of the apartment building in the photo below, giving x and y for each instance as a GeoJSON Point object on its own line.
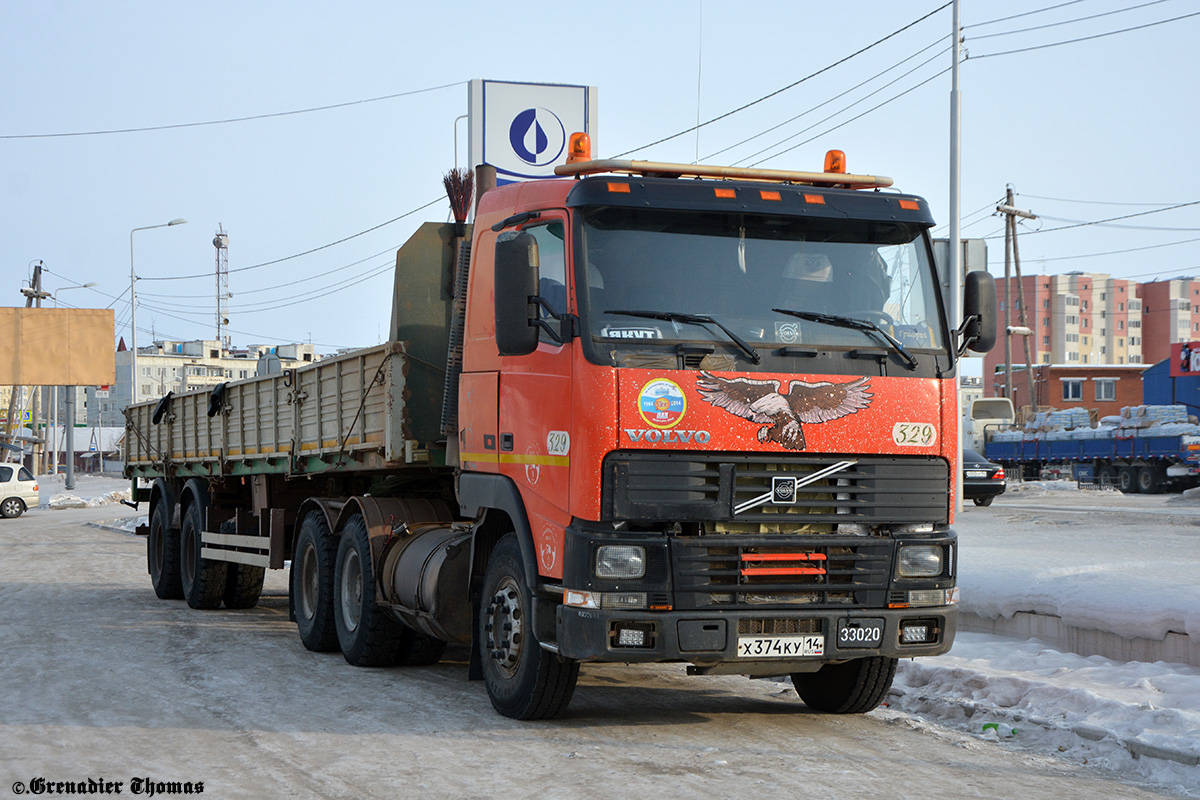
{"type": "Point", "coordinates": [1170, 313]}
{"type": "Point", "coordinates": [1075, 319]}
{"type": "Point", "coordinates": [169, 366]}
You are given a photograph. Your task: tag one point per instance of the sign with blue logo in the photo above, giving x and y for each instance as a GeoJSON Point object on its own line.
{"type": "Point", "coordinates": [522, 129]}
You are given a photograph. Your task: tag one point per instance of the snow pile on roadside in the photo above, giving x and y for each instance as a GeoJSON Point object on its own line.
{"type": "Point", "coordinates": [59, 501]}
{"type": "Point", "coordinates": [1042, 487]}
{"type": "Point", "coordinates": [1136, 718]}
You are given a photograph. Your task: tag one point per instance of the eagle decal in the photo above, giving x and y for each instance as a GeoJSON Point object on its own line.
{"type": "Point", "coordinates": [763, 403]}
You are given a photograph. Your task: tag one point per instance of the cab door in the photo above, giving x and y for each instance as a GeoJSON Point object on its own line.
{"type": "Point", "coordinates": [535, 404]}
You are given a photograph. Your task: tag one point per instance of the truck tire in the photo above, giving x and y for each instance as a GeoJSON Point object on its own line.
{"type": "Point", "coordinates": [243, 583]}
{"type": "Point", "coordinates": [853, 687]}
{"type": "Point", "coordinates": [243, 586]}
{"type": "Point", "coordinates": [368, 635]}
{"type": "Point", "coordinates": [312, 583]}
{"type": "Point", "coordinates": [1106, 476]}
{"type": "Point", "coordinates": [1127, 480]}
{"type": "Point", "coordinates": [523, 680]}
{"type": "Point", "coordinates": [1151, 479]}
{"type": "Point", "coordinates": [203, 579]}
{"type": "Point", "coordinates": [162, 554]}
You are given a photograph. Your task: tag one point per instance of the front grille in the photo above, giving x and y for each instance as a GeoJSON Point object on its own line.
{"type": "Point", "coordinates": [777, 627]}
{"type": "Point", "coordinates": [771, 571]}
{"type": "Point", "coordinates": [727, 488]}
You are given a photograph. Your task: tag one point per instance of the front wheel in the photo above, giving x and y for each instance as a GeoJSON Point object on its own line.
{"type": "Point", "coordinates": [524, 681]}
{"type": "Point", "coordinates": [853, 687]}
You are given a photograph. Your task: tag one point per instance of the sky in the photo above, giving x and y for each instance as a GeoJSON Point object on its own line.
{"type": "Point", "coordinates": [1084, 131]}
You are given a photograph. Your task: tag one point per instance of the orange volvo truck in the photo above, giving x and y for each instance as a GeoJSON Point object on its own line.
{"type": "Point", "coordinates": [651, 413]}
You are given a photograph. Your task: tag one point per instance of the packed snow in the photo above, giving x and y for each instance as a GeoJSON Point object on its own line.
{"type": "Point", "coordinates": [1095, 570]}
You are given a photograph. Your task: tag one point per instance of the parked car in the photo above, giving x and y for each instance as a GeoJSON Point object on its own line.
{"type": "Point", "coordinates": [982, 479]}
{"type": "Point", "coordinates": [18, 490]}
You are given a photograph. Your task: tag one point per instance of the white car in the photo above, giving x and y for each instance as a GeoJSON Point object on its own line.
{"type": "Point", "coordinates": [18, 490]}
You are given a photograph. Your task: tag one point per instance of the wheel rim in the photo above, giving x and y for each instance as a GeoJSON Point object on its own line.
{"type": "Point", "coordinates": [10, 508]}
{"type": "Point", "coordinates": [352, 590]}
{"type": "Point", "coordinates": [309, 581]}
{"type": "Point", "coordinates": [504, 626]}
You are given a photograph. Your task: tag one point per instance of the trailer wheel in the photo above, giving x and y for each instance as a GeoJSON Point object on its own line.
{"type": "Point", "coordinates": [162, 554]}
{"type": "Point", "coordinates": [523, 680]}
{"type": "Point", "coordinates": [1105, 476]}
{"type": "Point", "coordinates": [1127, 480]}
{"type": "Point", "coordinates": [1152, 479]}
{"type": "Point", "coordinates": [243, 586]}
{"type": "Point", "coordinates": [312, 583]}
{"type": "Point", "coordinates": [369, 636]}
{"type": "Point", "coordinates": [203, 579]}
{"type": "Point", "coordinates": [853, 687]}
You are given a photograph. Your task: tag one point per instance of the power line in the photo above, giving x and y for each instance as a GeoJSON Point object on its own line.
{"type": "Point", "coordinates": [1089, 202]}
{"type": "Point", "coordinates": [1024, 14]}
{"type": "Point", "coordinates": [1084, 38]}
{"type": "Point", "coordinates": [852, 119]}
{"type": "Point", "coordinates": [789, 86]}
{"type": "Point", "coordinates": [825, 103]}
{"type": "Point", "coordinates": [1110, 252]}
{"type": "Point", "coordinates": [844, 108]}
{"type": "Point", "coordinates": [1068, 21]}
{"type": "Point", "coordinates": [297, 255]}
{"type": "Point", "coordinates": [231, 119]}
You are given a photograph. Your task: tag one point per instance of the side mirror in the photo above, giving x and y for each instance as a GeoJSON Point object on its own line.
{"type": "Point", "coordinates": [516, 281]}
{"type": "Point", "coordinates": [978, 331]}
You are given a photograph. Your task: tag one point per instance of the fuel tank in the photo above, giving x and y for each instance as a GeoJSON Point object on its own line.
{"type": "Point", "coordinates": [424, 575]}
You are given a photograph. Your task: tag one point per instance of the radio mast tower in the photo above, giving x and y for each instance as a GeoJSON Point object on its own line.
{"type": "Point", "coordinates": [221, 242]}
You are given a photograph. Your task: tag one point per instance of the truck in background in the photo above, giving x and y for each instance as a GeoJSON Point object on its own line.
{"type": "Point", "coordinates": [657, 412]}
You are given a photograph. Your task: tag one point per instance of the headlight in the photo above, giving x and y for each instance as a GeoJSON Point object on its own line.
{"type": "Point", "coordinates": [620, 561]}
{"type": "Point", "coordinates": [920, 561]}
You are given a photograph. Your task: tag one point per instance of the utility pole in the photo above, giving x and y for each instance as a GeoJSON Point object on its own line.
{"type": "Point", "coordinates": [1010, 245]}
{"type": "Point", "coordinates": [35, 295]}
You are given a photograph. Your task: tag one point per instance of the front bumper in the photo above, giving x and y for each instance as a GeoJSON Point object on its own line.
{"type": "Point", "coordinates": [709, 639]}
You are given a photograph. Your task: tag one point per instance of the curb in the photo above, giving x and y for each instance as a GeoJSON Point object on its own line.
{"type": "Point", "coordinates": [1135, 748]}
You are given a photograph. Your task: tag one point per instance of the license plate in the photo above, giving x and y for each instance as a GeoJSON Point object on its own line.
{"type": "Point", "coordinates": [780, 646]}
{"type": "Point", "coordinates": [853, 633]}
{"type": "Point", "coordinates": [977, 473]}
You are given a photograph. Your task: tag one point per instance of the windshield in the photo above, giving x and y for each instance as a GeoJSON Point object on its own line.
{"type": "Point", "coordinates": [735, 269]}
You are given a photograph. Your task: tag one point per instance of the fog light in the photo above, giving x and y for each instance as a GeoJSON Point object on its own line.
{"type": "Point", "coordinates": [620, 561]}
{"type": "Point", "coordinates": [628, 637]}
{"type": "Point", "coordinates": [920, 561]}
{"type": "Point", "coordinates": [627, 633]}
{"type": "Point", "coordinates": [624, 600]}
{"type": "Point", "coordinates": [918, 632]}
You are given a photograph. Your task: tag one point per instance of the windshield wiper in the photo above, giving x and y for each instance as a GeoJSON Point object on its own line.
{"type": "Point", "coordinates": [867, 326]}
{"type": "Point", "coordinates": [694, 319]}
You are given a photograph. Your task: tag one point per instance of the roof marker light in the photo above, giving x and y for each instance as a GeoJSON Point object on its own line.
{"type": "Point", "coordinates": [729, 194]}
{"type": "Point", "coordinates": [910, 205]}
{"type": "Point", "coordinates": [815, 199]}
{"type": "Point", "coordinates": [770, 195]}
{"type": "Point", "coordinates": [619, 188]}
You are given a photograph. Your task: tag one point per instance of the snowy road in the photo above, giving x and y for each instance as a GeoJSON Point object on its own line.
{"type": "Point", "coordinates": [101, 680]}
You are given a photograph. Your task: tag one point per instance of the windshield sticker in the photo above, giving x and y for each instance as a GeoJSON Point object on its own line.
{"type": "Point", "coordinates": [762, 403]}
{"type": "Point", "coordinates": [661, 403]}
{"type": "Point", "coordinates": [787, 332]}
{"type": "Point", "coordinates": [610, 332]}
{"type": "Point", "coordinates": [913, 335]}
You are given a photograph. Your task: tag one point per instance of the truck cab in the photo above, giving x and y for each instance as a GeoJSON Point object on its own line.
{"type": "Point", "coordinates": [721, 408]}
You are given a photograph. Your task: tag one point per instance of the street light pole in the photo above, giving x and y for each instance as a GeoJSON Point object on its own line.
{"type": "Point", "coordinates": [133, 379]}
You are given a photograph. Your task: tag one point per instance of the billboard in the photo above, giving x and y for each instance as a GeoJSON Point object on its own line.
{"type": "Point", "coordinates": [1185, 359]}
{"type": "Point", "coordinates": [522, 129]}
{"type": "Point", "coordinates": [56, 347]}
